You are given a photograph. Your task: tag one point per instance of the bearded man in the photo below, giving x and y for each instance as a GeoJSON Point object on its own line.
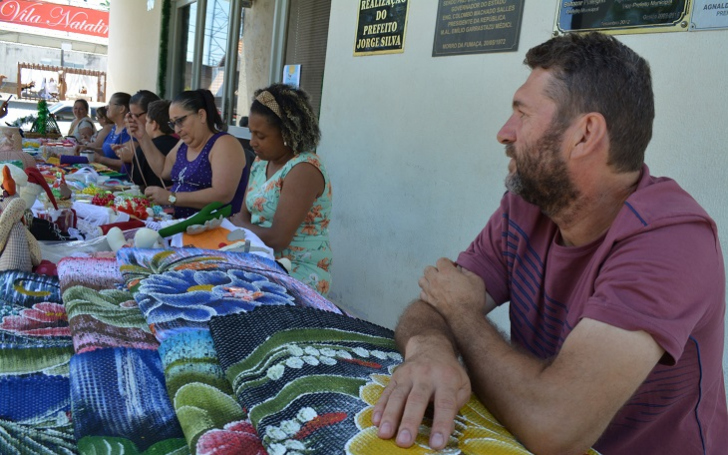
{"type": "Point", "coordinates": [615, 280]}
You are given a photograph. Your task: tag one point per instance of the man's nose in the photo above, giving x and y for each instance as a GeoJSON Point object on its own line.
{"type": "Point", "coordinates": [507, 133]}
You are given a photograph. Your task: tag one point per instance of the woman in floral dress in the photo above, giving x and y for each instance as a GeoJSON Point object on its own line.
{"type": "Point", "coordinates": [288, 199]}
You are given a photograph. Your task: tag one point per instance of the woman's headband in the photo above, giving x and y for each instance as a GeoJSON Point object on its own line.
{"type": "Point", "coordinates": [268, 100]}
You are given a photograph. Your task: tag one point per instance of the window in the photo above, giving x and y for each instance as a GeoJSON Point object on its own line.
{"type": "Point", "coordinates": [200, 46]}
{"type": "Point", "coordinates": [308, 30]}
{"type": "Point", "coordinates": [206, 48]}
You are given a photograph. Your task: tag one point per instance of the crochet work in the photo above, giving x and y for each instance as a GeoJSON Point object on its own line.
{"type": "Point", "coordinates": [194, 351]}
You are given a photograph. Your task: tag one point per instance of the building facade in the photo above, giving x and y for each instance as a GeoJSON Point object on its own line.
{"type": "Point", "coordinates": [410, 139]}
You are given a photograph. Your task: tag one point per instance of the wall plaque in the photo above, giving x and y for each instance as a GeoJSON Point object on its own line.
{"type": "Point", "coordinates": [709, 14]}
{"type": "Point", "coordinates": [473, 27]}
{"type": "Point", "coordinates": [381, 27]}
{"type": "Point", "coordinates": [623, 16]}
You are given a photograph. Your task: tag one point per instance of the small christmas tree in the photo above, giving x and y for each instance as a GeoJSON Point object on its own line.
{"type": "Point", "coordinates": [45, 124]}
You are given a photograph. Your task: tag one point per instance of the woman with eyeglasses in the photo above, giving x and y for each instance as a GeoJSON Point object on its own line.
{"type": "Point", "coordinates": [288, 200]}
{"type": "Point", "coordinates": [155, 120]}
{"type": "Point", "coordinates": [205, 166]}
{"type": "Point", "coordinates": [82, 127]}
{"type": "Point", "coordinates": [116, 112]}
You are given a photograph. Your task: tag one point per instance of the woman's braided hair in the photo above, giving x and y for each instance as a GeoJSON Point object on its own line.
{"type": "Point", "coordinates": [289, 108]}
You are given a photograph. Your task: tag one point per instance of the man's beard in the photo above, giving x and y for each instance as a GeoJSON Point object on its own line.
{"type": "Point", "coordinates": [541, 176]}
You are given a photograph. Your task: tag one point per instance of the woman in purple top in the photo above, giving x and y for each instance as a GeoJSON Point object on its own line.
{"type": "Point", "coordinates": [206, 165]}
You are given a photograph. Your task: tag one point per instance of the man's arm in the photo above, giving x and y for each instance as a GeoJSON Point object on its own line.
{"type": "Point", "coordinates": [431, 373]}
{"type": "Point", "coordinates": [561, 406]}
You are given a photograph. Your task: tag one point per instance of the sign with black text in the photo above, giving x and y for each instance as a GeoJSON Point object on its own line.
{"type": "Point", "coordinates": [477, 26]}
{"type": "Point", "coordinates": [381, 27]}
{"type": "Point", "coordinates": [622, 16]}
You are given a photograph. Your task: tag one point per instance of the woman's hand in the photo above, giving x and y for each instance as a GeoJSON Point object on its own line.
{"type": "Point", "coordinates": [125, 151]}
{"type": "Point", "coordinates": [135, 127]}
{"type": "Point", "coordinates": [158, 195]}
{"type": "Point", "coordinates": [242, 219]}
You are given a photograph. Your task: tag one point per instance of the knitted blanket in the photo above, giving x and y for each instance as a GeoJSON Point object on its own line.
{"type": "Point", "coordinates": [35, 349]}
{"type": "Point", "coordinates": [118, 392]}
{"type": "Point", "coordinates": [196, 351]}
{"type": "Point", "coordinates": [179, 291]}
{"type": "Point", "coordinates": [310, 379]}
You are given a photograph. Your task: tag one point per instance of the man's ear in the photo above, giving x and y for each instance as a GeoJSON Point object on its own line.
{"type": "Point", "coordinates": [588, 134]}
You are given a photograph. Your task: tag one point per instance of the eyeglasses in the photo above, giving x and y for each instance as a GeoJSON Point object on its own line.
{"type": "Point", "coordinates": [178, 122]}
{"type": "Point", "coordinates": [137, 115]}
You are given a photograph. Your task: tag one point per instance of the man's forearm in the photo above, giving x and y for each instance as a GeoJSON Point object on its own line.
{"type": "Point", "coordinates": [422, 321]}
{"type": "Point", "coordinates": [536, 404]}
{"type": "Point", "coordinates": [493, 365]}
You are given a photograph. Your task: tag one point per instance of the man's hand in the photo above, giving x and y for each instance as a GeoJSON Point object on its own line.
{"type": "Point", "coordinates": [430, 373]}
{"type": "Point", "coordinates": [451, 289]}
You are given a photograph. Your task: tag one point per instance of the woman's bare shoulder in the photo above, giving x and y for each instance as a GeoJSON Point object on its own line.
{"type": "Point", "coordinates": [227, 144]}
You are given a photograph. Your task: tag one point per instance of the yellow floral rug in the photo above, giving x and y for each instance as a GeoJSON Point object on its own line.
{"type": "Point", "coordinates": [309, 380]}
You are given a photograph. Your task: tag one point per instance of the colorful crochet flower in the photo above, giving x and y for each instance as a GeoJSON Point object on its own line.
{"type": "Point", "coordinates": [43, 319]}
{"type": "Point", "coordinates": [197, 295]}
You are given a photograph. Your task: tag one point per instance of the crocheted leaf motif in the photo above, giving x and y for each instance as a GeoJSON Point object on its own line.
{"type": "Point", "coordinates": [221, 408]}
{"type": "Point", "coordinates": [53, 435]}
{"type": "Point", "coordinates": [110, 306]}
{"type": "Point", "coordinates": [308, 385]}
{"type": "Point", "coordinates": [108, 445]}
{"type": "Point", "coordinates": [32, 360]}
{"type": "Point", "coordinates": [201, 408]}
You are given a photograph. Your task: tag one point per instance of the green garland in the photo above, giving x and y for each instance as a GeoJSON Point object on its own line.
{"type": "Point", "coordinates": [42, 121]}
{"type": "Point", "coordinates": [164, 48]}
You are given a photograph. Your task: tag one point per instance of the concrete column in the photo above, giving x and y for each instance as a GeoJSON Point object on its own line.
{"type": "Point", "coordinates": [133, 57]}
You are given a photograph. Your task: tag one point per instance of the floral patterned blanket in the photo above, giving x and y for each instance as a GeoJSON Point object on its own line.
{"type": "Point", "coordinates": [196, 352]}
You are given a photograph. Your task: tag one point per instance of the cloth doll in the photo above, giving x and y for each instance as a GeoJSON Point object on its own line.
{"type": "Point", "coordinates": [19, 250]}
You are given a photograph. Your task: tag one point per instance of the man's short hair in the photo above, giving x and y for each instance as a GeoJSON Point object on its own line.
{"type": "Point", "coordinates": [596, 73]}
{"type": "Point", "coordinates": [158, 111]}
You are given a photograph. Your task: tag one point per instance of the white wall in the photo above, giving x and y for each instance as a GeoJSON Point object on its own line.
{"type": "Point", "coordinates": [133, 57]}
{"type": "Point", "coordinates": [410, 144]}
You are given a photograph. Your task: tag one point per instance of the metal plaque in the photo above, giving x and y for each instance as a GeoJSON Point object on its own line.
{"type": "Point", "coordinates": [381, 27]}
{"type": "Point", "coordinates": [709, 15]}
{"type": "Point", "coordinates": [474, 27]}
{"type": "Point", "coordinates": [622, 16]}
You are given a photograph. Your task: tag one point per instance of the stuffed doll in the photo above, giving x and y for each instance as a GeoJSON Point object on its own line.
{"type": "Point", "coordinates": [19, 250]}
{"type": "Point", "coordinates": [28, 184]}
{"type": "Point", "coordinates": [11, 147]}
